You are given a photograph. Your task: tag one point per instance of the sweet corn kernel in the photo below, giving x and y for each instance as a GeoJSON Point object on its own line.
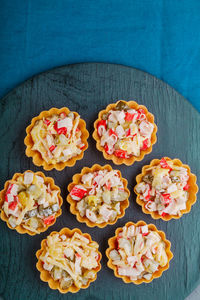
{"type": "Point", "coordinates": [23, 198]}
{"type": "Point", "coordinates": [92, 200]}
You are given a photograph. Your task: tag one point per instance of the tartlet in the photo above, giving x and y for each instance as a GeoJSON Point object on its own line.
{"type": "Point", "coordinates": [125, 132]}
{"type": "Point", "coordinates": [98, 196]}
{"type": "Point", "coordinates": [30, 202]}
{"type": "Point", "coordinates": [56, 138]}
{"type": "Point", "coordinates": [68, 260]}
{"type": "Point", "coordinates": [138, 253]}
{"type": "Point", "coordinates": [166, 189]}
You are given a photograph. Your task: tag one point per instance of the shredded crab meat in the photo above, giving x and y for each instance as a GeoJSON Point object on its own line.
{"type": "Point", "coordinates": [30, 202]}
{"type": "Point", "coordinates": [58, 138]}
{"type": "Point", "coordinates": [99, 195]}
{"type": "Point", "coordinates": [140, 252]}
{"type": "Point", "coordinates": [125, 132]}
{"type": "Point", "coordinates": [71, 260]}
{"type": "Point", "coordinates": [164, 188]}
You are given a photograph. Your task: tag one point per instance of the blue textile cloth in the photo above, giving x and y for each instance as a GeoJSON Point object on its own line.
{"type": "Point", "coordinates": [158, 36]}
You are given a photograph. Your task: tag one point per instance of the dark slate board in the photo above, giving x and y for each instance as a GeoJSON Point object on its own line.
{"type": "Point", "coordinates": [88, 88]}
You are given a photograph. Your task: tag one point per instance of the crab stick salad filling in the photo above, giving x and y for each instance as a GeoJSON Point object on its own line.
{"type": "Point", "coordinates": [124, 131]}
{"type": "Point", "coordinates": [99, 195]}
{"type": "Point", "coordinates": [58, 138]}
{"type": "Point", "coordinates": [30, 202]}
{"type": "Point", "coordinates": [70, 260]}
{"type": "Point", "coordinates": [139, 252]}
{"type": "Point", "coordinates": [164, 188]}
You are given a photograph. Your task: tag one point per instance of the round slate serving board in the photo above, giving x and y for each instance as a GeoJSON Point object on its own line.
{"type": "Point", "coordinates": [88, 88]}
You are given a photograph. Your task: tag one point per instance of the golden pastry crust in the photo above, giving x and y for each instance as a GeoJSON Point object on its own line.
{"type": "Point", "coordinates": [127, 161]}
{"type": "Point", "coordinates": [36, 156]}
{"type": "Point", "coordinates": [112, 245]}
{"type": "Point", "coordinates": [193, 190]}
{"type": "Point", "coordinates": [45, 275]}
{"type": "Point", "coordinates": [47, 180]}
{"type": "Point", "coordinates": [76, 180]}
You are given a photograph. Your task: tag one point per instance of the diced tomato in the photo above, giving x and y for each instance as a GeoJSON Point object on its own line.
{"type": "Point", "coordinates": [145, 145]}
{"type": "Point", "coordinates": [164, 214]}
{"type": "Point", "coordinates": [12, 205]}
{"type": "Point", "coordinates": [167, 198]}
{"type": "Point", "coordinates": [49, 220]}
{"type": "Point", "coordinates": [120, 153]}
{"type": "Point", "coordinates": [186, 187]}
{"type": "Point", "coordinates": [63, 115]}
{"type": "Point", "coordinates": [129, 117]}
{"type": "Point", "coordinates": [164, 164]}
{"type": "Point", "coordinates": [52, 148]}
{"type": "Point", "coordinates": [62, 130]}
{"type": "Point", "coordinates": [80, 193]}
{"type": "Point", "coordinates": [46, 122]}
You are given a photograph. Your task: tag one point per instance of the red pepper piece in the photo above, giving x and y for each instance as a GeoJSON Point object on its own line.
{"type": "Point", "coordinates": [46, 122]}
{"type": "Point", "coordinates": [145, 145]}
{"type": "Point", "coordinates": [49, 220]}
{"type": "Point", "coordinates": [62, 130]}
{"type": "Point", "coordinates": [164, 214]}
{"type": "Point", "coordinates": [186, 187]}
{"type": "Point", "coordinates": [129, 117]}
{"type": "Point", "coordinates": [120, 153]}
{"type": "Point", "coordinates": [82, 146]}
{"type": "Point", "coordinates": [52, 148]}
{"type": "Point", "coordinates": [164, 164]}
{"type": "Point", "coordinates": [78, 255]}
{"type": "Point", "coordinates": [144, 234]}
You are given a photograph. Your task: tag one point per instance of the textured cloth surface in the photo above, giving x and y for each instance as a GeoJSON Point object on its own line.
{"type": "Point", "coordinates": [157, 36]}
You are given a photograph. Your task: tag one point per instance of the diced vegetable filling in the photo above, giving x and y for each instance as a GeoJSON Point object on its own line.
{"type": "Point", "coordinates": [99, 196]}
{"type": "Point", "coordinates": [164, 188]}
{"type": "Point", "coordinates": [70, 260]}
{"type": "Point", "coordinates": [30, 202]}
{"type": "Point", "coordinates": [139, 252]}
{"type": "Point", "coordinates": [124, 131]}
{"type": "Point", "coordinates": [58, 138]}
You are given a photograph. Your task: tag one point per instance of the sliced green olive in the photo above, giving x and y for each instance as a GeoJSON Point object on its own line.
{"type": "Point", "coordinates": [105, 116]}
{"type": "Point", "coordinates": [148, 178]}
{"type": "Point", "coordinates": [66, 282]}
{"type": "Point", "coordinates": [175, 179]}
{"type": "Point", "coordinates": [121, 105]}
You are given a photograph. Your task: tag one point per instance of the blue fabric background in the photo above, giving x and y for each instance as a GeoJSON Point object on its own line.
{"type": "Point", "coordinates": [158, 36]}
